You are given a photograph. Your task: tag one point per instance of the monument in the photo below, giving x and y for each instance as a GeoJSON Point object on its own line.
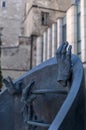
{"type": "Point", "coordinates": [48, 97]}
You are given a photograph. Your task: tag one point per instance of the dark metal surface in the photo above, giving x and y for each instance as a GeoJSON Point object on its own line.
{"type": "Point", "coordinates": [71, 114]}
{"type": "Point", "coordinates": [35, 123]}
{"type": "Point", "coordinates": [43, 97]}
{"type": "Point", "coordinates": [52, 91]}
{"type": "Point", "coordinates": [10, 112]}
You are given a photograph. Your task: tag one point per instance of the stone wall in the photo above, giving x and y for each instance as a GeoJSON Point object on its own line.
{"type": "Point", "coordinates": [11, 17]}
{"type": "Point", "coordinates": [17, 62]}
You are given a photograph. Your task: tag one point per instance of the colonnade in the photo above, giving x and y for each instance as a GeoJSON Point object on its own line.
{"type": "Point", "coordinates": [52, 37]}
{"type": "Point", "coordinates": [71, 17]}
{"type": "Point", "coordinates": [48, 42]}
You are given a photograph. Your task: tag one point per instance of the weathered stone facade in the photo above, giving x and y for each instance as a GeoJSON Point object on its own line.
{"type": "Point", "coordinates": [33, 18]}
{"type": "Point", "coordinates": [17, 62]}
{"type": "Point", "coordinates": [18, 59]}
{"type": "Point", "coordinates": [68, 27]}
{"type": "Point", "coordinates": [51, 33]}
{"type": "Point", "coordinates": [11, 17]}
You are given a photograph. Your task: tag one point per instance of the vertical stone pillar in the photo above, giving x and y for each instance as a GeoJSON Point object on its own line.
{"type": "Point", "coordinates": [39, 51]}
{"type": "Point", "coordinates": [54, 38]}
{"type": "Point", "coordinates": [83, 30]}
{"type": "Point", "coordinates": [49, 43]}
{"type": "Point", "coordinates": [45, 46]}
{"type": "Point", "coordinates": [72, 27]}
{"type": "Point", "coordinates": [59, 31]}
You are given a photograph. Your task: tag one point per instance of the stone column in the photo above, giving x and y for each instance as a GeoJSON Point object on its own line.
{"type": "Point", "coordinates": [83, 30]}
{"type": "Point", "coordinates": [54, 38]}
{"type": "Point", "coordinates": [59, 31]}
{"type": "Point", "coordinates": [72, 27]}
{"type": "Point", "coordinates": [49, 43]}
{"type": "Point", "coordinates": [45, 46]}
{"type": "Point", "coordinates": [39, 51]}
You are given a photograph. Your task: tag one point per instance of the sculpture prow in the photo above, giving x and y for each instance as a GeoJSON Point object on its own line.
{"type": "Point", "coordinates": [71, 113]}
{"type": "Point", "coordinates": [72, 110]}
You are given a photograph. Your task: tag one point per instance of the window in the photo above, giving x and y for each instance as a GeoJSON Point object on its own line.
{"type": "Point", "coordinates": [3, 3]}
{"type": "Point", "coordinates": [44, 18]}
{"type": "Point", "coordinates": [64, 29]}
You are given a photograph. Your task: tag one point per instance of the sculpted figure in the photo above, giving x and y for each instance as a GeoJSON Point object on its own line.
{"type": "Point", "coordinates": [46, 91]}
{"type": "Point", "coordinates": [64, 65]}
{"type": "Point", "coordinates": [43, 103]}
{"type": "Point", "coordinates": [50, 95]}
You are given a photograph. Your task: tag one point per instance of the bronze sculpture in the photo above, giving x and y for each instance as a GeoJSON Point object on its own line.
{"type": "Point", "coordinates": [44, 91]}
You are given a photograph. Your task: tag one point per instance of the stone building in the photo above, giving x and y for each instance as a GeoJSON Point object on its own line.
{"type": "Point", "coordinates": [40, 14]}
{"type": "Point", "coordinates": [54, 21]}
{"type": "Point", "coordinates": [65, 28]}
